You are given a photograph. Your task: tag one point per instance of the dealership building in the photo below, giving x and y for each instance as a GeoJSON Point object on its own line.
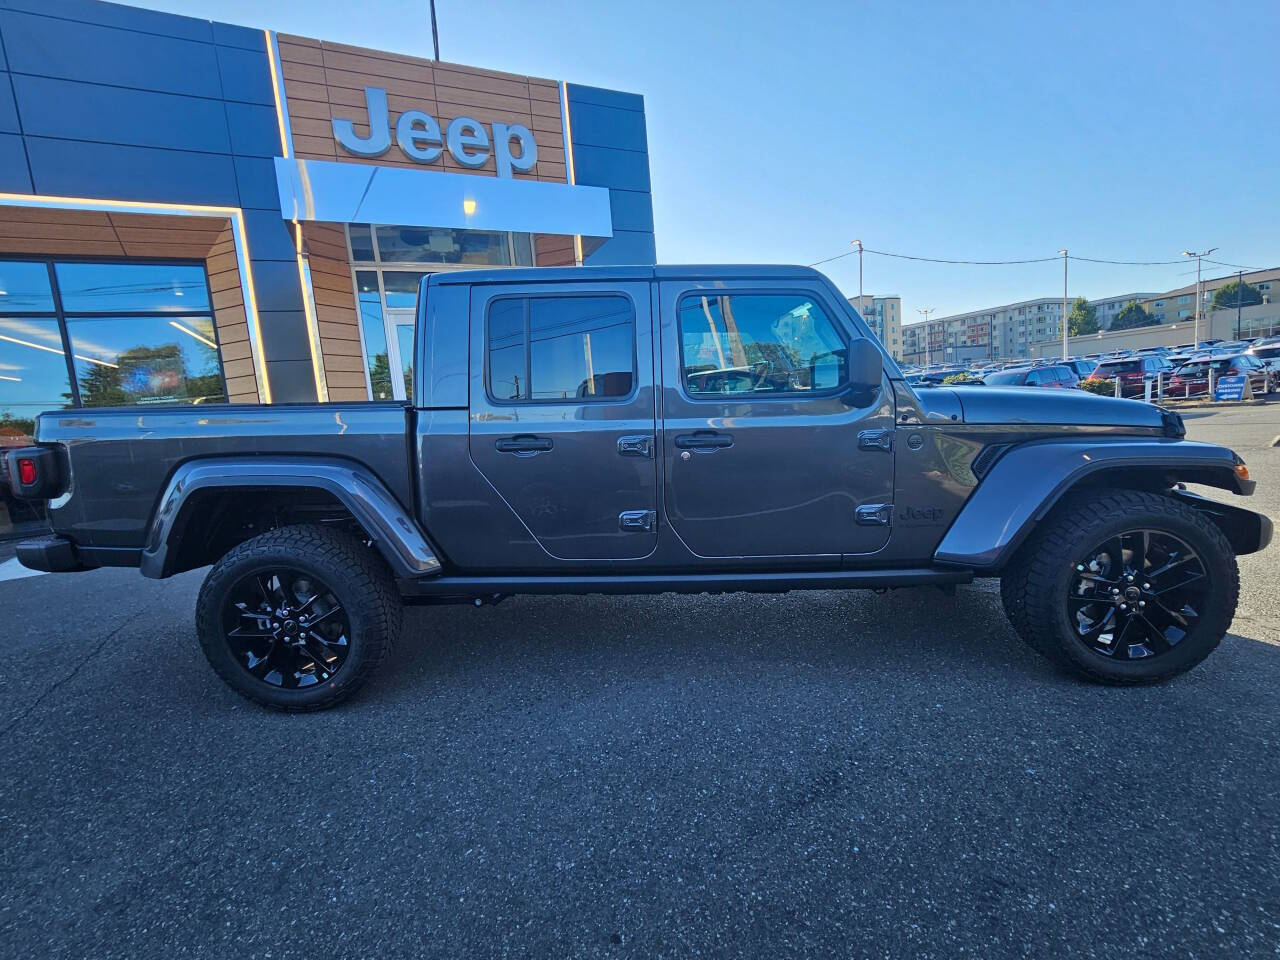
{"type": "Point", "coordinates": [195, 212]}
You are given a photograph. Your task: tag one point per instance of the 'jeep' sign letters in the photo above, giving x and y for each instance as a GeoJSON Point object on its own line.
{"type": "Point", "coordinates": [418, 136]}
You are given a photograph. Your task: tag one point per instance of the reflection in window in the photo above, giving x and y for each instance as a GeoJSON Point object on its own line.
{"type": "Point", "coordinates": [24, 287]}
{"type": "Point", "coordinates": [131, 287]}
{"type": "Point", "coordinates": [33, 375]}
{"type": "Point", "coordinates": [401, 288]}
{"type": "Point", "coordinates": [759, 344]}
{"type": "Point", "coordinates": [136, 360]}
{"type": "Point", "coordinates": [361, 242]}
{"type": "Point", "coordinates": [375, 336]}
{"type": "Point", "coordinates": [443, 245]}
{"type": "Point", "coordinates": [561, 348]}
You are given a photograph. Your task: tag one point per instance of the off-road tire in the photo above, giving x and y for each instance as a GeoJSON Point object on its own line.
{"type": "Point", "coordinates": [1034, 586]}
{"type": "Point", "coordinates": [354, 572]}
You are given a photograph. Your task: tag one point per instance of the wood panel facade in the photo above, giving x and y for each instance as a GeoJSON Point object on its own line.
{"type": "Point", "coordinates": [324, 80]}
{"type": "Point", "coordinates": [36, 231]}
{"type": "Point", "coordinates": [331, 280]}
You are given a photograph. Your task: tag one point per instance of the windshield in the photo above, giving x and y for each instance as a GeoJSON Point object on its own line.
{"type": "Point", "coordinates": [1267, 353]}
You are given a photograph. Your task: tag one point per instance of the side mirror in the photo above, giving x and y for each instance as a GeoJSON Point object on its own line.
{"type": "Point", "coordinates": [866, 366]}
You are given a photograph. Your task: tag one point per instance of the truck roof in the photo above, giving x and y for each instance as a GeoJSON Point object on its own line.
{"type": "Point", "coordinates": [769, 271]}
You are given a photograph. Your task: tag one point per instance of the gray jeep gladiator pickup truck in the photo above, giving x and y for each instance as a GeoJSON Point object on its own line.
{"type": "Point", "coordinates": [636, 430]}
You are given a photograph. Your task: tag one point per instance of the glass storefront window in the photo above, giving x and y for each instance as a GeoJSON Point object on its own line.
{"type": "Point", "coordinates": [131, 287]}
{"type": "Point", "coordinates": [361, 242]}
{"type": "Point", "coordinates": [375, 334]}
{"type": "Point", "coordinates": [404, 340]}
{"type": "Point", "coordinates": [33, 366]}
{"type": "Point", "coordinates": [136, 360]}
{"type": "Point", "coordinates": [443, 245]}
{"type": "Point", "coordinates": [24, 287]}
{"type": "Point", "coordinates": [401, 288]}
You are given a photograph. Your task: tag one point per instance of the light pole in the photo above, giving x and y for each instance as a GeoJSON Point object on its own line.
{"type": "Point", "coordinates": [435, 37]}
{"type": "Point", "coordinates": [928, 339]}
{"type": "Point", "coordinates": [1065, 352]}
{"type": "Point", "coordinates": [1239, 299]}
{"type": "Point", "coordinates": [1198, 256]}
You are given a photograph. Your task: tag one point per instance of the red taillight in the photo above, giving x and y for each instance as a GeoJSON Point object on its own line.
{"type": "Point", "coordinates": [26, 472]}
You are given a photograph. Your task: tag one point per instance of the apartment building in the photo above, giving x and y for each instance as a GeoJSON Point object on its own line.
{"type": "Point", "coordinates": [884, 316]}
{"type": "Point", "coordinates": [1180, 304]}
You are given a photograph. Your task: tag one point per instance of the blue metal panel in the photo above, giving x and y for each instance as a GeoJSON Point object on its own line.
{"type": "Point", "coordinates": [256, 177]}
{"type": "Point", "coordinates": [246, 75]}
{"type": "Point", "coordinates": [254, 130]}
{"type": "Point", "coordinates": [117, 15]}
{"type": "Point", "coordinates": [14, 175]}
{"type": "Point", "coordinates": [599, 126]}
{"type": "Point", "coordinates": [231, 35]}
{"type": "Point", "coordinates": [8, 110]}
{"type": "Point", "coordinates": [277, 287]}
{"type": "Point", "coordinates": [625, 247]}
{"type": "Point", "coordinates": [63, 168]}
{"type": "Point", "coordinates": [603, 167]}
{"type": "Point", "coordinates": [284, 335]}
{"type": "Point", "coordinates": [90, 111]}
{"type": "Point", "coordinates": [269, 237]}
{"type": "Point", "coordinates": [80, 51]}
{"type": "Point", "coordinates": [631, 210]}
{"type": "Point", "coordinates": [292, 381]}
{"type": "Point", "coordinates": [604, 98]}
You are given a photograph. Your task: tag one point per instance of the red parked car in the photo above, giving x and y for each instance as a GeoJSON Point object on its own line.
{"type": "Point", "coordinates": [1192, 379]}
{"type": "Point", "coordinates": [1133, 373]}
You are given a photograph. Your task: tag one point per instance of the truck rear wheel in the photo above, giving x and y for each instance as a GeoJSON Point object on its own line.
{"type": "Point", "coordinates": [1123, 587]}
{"type": "Point", "coordinates": [299, 617]}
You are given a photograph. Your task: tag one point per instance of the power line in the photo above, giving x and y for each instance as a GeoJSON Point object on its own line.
{"type": "Point", "coordinates": [1000, 263]}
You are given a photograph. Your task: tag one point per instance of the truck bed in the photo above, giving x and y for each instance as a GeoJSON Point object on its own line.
{"type": "Point", "coordinates": [121, 458]}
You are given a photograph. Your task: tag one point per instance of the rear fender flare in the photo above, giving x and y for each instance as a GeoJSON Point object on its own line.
{"type": "Point", "coordinates": [1028, 481]}
{"type": "Point", "coordinates": [387, 524]}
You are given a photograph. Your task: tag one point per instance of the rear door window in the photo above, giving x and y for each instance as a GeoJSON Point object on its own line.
{"type": "Point", "coordinates": [561, 349]}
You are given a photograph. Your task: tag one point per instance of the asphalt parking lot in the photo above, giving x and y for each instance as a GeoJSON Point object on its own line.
{"type": "Point", "coordinates": [816, 774]}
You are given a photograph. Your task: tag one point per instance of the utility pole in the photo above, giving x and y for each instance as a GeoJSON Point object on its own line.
{"type": "Point", "coordinates": [928, 338]}
{"type": "Point", "coordinates": [1065, 352]}
{"type": "Point", "coordinates": [858, 243]}
{"type": "Point", "coordinates": [435, 37]}
{"type": "Point", "coordinates": [1239, 299]}
{"type": "Point", "coordinates": [1198, 256]}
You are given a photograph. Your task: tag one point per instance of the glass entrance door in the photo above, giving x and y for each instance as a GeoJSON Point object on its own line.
{"type": "Point", "coordinates": [400, 325]}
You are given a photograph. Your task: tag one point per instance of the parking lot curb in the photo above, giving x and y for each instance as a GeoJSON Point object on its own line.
{"type": "Point", "coordinates": [1212, 404]}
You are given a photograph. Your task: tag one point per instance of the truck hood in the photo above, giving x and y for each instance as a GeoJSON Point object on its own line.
{"type": "Point", "coordinates": [996, 405]}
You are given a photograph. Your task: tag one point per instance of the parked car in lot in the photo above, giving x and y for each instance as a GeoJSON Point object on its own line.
{"type": "Point", "coordinates": [1082, 366]}
{"type": "Point", "coordinates": [1054, 376]}
{"type": "Point", "coordinates": [1133, 373]}
{"type": "Point", "coordinates": [642, 430]}
{"type": "Point", "coordinates": [1192, 378]}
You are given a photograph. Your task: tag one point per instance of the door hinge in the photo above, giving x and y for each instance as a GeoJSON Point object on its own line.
{"type": "Point", "coordinates": [637, 521]}
{"type": "Point", "coordinates": [874, 514]}
{"type": "Point", "coordinates": [636, 445]}
{"type": "Point", "coordinates": [875, 440]}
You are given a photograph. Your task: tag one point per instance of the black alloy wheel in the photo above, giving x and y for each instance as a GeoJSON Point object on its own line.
{"type": "Point", "coordinates": [286, 628]}
{"type": "Point", "coordinates": [299, 617]}
{"type": "Point", "coordinates": [1137, 595]}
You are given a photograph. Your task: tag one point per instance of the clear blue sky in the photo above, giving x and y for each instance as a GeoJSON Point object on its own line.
{"type": "Point", "coordinates": [778, 132]}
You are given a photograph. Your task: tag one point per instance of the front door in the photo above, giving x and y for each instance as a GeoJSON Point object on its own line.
{"type": "Point", "coordinates": [400, 324]}
{"type": "Point", "coordinates": [767, 451]}
{"type": "Point", "coordinates": [562, 420]}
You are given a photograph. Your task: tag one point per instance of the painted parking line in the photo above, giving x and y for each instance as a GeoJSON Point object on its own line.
{"type": "Point", "coordinates": [11, 569]}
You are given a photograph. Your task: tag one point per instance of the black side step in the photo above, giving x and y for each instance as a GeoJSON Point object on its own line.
{"type": "Point", "coordinates": [738, 581]}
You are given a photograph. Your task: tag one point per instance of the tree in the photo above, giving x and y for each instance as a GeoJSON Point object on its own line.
{"type": "Point", "coordinates": [1225, 298]}
{"type": "Point", "coordinates": [1082, 319]}
{"type": "Point", "coordinates": [1132, 316]}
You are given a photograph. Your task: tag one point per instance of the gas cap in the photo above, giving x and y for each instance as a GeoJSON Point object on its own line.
{"type": "Point", "coordinates": [915, 441]}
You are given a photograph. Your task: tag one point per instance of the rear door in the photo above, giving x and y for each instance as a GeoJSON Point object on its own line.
{"type": "Point", "coordinates": [766, 451]}
{"type": "Point", "coordinates": [562, 413]}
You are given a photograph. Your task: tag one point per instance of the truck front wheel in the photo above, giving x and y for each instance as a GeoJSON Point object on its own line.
{"type": "Point", "coordinates": [299, 617]}
{"type": "Point", "coordinates": [1123, 587]}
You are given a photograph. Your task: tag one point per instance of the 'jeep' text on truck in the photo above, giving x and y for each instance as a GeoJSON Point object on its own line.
{"type": "Point", "coordinates": [638, 430]}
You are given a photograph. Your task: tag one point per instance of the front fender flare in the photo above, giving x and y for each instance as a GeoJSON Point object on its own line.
{"type": "Point", "coordinates": [1028, 481]}
{"type": "Point", "coordinates": [392, 530]}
